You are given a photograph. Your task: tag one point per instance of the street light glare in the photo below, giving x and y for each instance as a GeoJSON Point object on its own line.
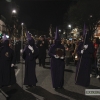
{"type": "Point", "coordinates": [69, 25]}
{"type": "Point", "coordinates": [59, 30]}
{"type": "Point", "coordinates": [90, 15]}
{"type": "Point", "coordinates": [22, 23]}
{"type": "Point", "coordinates": [14, 11]}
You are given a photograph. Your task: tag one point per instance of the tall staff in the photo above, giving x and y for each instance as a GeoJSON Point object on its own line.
{"type": "Point", "coordinates": [50, 30]}
{"type": "Point", "coordinates": [22, 49]}
{"type": "Point", "coordinates": [84, 33]}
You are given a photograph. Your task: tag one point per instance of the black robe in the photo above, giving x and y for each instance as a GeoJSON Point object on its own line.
{"type": "Point", "coordinates": [57, 67]}
{"type": "Point", "coordinates": [17, 50]}
{"type": "Point", "coordinates": [30, 65]}
{"type": "Point", "coordinates": [7, 73]}
{"type": "Point", "coordinates": [83, 67]}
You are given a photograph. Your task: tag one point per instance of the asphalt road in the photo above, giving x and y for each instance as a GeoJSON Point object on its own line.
{"type": "Point", "coordinates": [44, 90]}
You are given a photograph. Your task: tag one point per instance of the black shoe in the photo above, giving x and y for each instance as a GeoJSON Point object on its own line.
{"type": "Point", "coordinates": [43, 66]}
{"type": "Point", "coordinates": [56, 88]}
{"type": "Point", "coordinates": [61, 87]}
{"type": "Point", "coordinates": [29, 86]}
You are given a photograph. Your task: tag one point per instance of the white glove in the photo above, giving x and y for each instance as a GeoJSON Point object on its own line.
{"type": "Point", "coordinates": [31, 48]}
{"type": "Point", "coordinates": [62, 57]}
{"type": "Point", "coordinates": [76, 57]}
{"type": "Point", "coordinates": [12, 65]}
{"type": "Point", "coordinates": [85, 46]}
{"type": "Point", "coordinates": [56, 56]}
{"type": "Point", "coordinates": [21, 51]}
{"type": "Point", "coordinates": [82, 51]}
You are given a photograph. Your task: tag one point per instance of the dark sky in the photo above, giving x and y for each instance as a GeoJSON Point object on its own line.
{"type": "Point", "coordinates": [39, 14]}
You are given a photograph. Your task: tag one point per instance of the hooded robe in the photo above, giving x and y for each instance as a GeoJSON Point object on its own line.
{"type": "Point", "coordinates": [57, 64]}
{"type": "Point", "coordinates": [30, 63]}
{"type": "Point", "coordinates": [83, 67]}
{"type": "Point", "coordinates": [7, 57]}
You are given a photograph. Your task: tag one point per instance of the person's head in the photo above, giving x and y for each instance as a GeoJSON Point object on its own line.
{"type": "Point", "coordinates": [17, 39]}
{"type": "Point", "coordinates": [71, 42]}
{"type": "Point", "coordinates": [57, 42]}
{"type": "Point", "coordinates": [86, 38]}
{"type": "Point", "coordinates": [94, 40]}
{"type": "Point", "coordinates": [31, 42]}
{"type": "Point", "coordinates": [6, 43]}
{"type": "Point", "coordinates": [68, 42]}
{"type": "Point", "coordinates": [42, 38]}
{"type": "Point", "coordinates": [53, 41]}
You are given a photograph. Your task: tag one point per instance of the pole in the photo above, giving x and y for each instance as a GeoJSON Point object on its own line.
{"type": "Point", "coordinates": [21, 55]}
{"type": "Point", "coordinates": [80, 58]}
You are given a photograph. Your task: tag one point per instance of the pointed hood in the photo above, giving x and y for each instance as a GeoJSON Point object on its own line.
{"type": "Point", "coordinates": [30, 39]}
{"type": "Point", "coordinates": [57, 37]}
{"type": "Point", "coordinates": [84, 30]}
{"type": "Point", "coordinates": [5, 41]}
{"type": "Point", "coordinates": [28, 36]}
{"type": "Point", "coordinates": [4, 37]}
{"type": "Point", "coordinates": [86, 35]}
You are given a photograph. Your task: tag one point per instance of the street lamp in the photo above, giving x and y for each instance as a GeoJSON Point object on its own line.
{"type": "Point", "coordinates": [22, 24]}
{"type": "Point", "coordinates": [14, 11]}
{"type": "Point", "coordinates": [14, 19]}
{"type": "Point", "coordinates": [69, 26]}
{"type": "Point", "coordinates": [91, 16]}
{"type": "Point", "coordinates": [59, 30]}
{"type": "Point", "coordinates": [22, 36]}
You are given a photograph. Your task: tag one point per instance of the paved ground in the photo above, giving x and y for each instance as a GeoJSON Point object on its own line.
{"type": "Point", "coordinates": [44, 90]}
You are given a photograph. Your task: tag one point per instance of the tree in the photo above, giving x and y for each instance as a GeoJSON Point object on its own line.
{"type": "Point", "coordinates": [84, 11]}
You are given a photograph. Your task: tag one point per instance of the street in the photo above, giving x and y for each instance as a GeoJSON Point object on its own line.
{"type": "Point", "coordinates": [44, 90]}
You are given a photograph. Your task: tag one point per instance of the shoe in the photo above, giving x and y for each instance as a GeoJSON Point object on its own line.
{"type": "Point", "coordinates": [90, 75]}
{"type": "Point", "coordinates": [43, 66]}
{"type": "Point", "coordinates": [9, 85]}
{"type": "Point", "coordinates": [98, 77]}
{"type": "Point", "coordinates": [56, 88]}
{"type": "Point", "coordinates": [61, 87]}
{"type": "Point", "coordinates": [29, 86]}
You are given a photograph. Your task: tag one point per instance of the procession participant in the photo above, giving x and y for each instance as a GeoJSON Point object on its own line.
{"type": "Point", "coordinates": [57, 54]}
{"type": "Point", "coordinates": [30, 54]}
{"type": "Point", "coordinates": [98, 63]}
{"type": "Point", "coordinates": [17, 50]}
{"type": "Point", "coordinates": [85, 50]}
{"type": "Point", "coordinates": [7, 62]}
{"type": "Point", "coordinates": [42, 46]}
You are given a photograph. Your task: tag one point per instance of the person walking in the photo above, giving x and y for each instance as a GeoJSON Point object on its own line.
{"type": "Point", "coordinates": [7, 62]}
{"type": "Point", "coordinates": [30, 54]}
{"type": "Point", "coordinates": [57, 54]}
{"type": "Point", "coordinates": [85, 50]}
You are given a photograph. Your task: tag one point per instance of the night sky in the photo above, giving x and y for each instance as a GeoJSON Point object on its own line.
{"type": "Point", "coordinates": [39, 14]}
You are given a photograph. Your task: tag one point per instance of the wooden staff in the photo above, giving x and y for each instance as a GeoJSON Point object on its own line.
{"type": "Point", "coordinates": [22, 49]}
{"type": "Point", "coordinates": [80, 57]}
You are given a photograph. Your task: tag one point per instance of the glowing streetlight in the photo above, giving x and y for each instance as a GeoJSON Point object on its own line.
{"type": "Point", "coordinates": [22, 24]}
{"type": "Point", "coordinates": [59, 30]}
{"type": "Point", "coordinates": [91, 16]}
{"type": "Point", "coordinates": [14, 11]}
{"type": "Point", "coordinates": [69, 26]}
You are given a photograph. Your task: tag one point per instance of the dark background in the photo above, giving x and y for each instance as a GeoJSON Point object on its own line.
{"type": "Point", "coordinates": [37, 14]}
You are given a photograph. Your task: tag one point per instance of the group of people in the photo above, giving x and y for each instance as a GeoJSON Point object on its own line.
{"type": "Point", "coordinates": [59, 56]}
